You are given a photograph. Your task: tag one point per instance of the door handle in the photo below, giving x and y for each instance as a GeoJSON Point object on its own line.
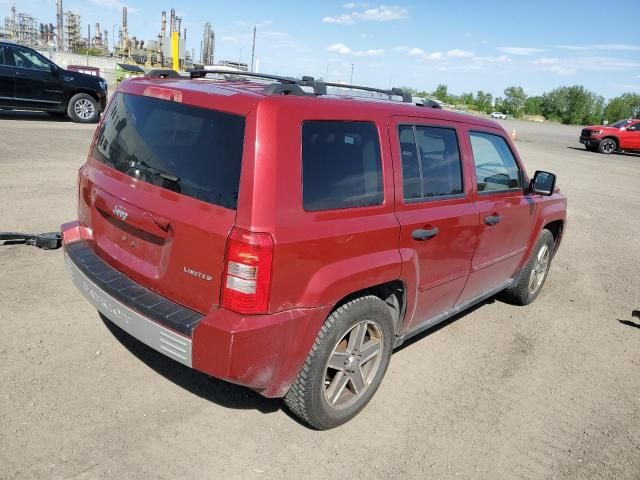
{"type": "Point", "coordinates": [422, 234]}
{"type": "Point", "coordinates": [20, 74]}
{"type": "Point", "coordinates": [492, 219]}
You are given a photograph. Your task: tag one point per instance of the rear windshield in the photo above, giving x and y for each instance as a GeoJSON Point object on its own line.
{"type": "Point", "coordinates": [193, 151]}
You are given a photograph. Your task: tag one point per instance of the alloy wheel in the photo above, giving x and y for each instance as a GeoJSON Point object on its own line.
{"type": "Point", "coordinates": [608, 146]}
{"type": "Point", "coordinates": [353, 364]}
{"type": "Point", "coordinates": [539, 270]}
{"type": "Point", "coordinates": [84, 109]}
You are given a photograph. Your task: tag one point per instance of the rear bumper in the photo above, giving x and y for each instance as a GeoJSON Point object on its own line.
{"type": "Point", "coordinates": [262, 352]}
{"type": "Point", "coordinates": [144, 329]}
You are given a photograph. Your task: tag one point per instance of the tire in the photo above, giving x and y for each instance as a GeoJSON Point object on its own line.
{"type": "Point", "coordinates": [607, 146]}
{"type": "Point", "coordinates": [591, 148]}
{"type": "Point", "coordinates": [528, 286]}
{"type": "Point", "coordinates": [324, 395]}
{"type": "Point", "coordinates": [83, 108]}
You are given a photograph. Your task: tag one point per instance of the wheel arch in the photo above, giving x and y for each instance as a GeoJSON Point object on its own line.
{"type": "Point", "coordinates": [393, 293]}
{"type": "Point", "coordinates": [78, 90]}
{"type": "Point", "coordinates": [556, 227]}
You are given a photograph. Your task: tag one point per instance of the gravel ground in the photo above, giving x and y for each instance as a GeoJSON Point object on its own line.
{"type": "Point", "coordinates": [546, 391]}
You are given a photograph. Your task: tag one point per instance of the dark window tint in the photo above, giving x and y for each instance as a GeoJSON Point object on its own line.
{"type": "Point", "coordinates": [193, 151]}
{"type": "Point", "coordinates": [496, 168]}
{"type": "Point", "coordinates": [430, 162]}
{"type": "Point", "coordinates": [25, 58]}
{"type": "Point", "coordinates": [2, 55]}
{"type": "Point", "coordinates": [341, 165]}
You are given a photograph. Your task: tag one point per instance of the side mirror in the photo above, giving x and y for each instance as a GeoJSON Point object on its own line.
{"type": "Point", "coordinates": [543, 183]}
{"type": "Point", "coordinates": [54, 69]}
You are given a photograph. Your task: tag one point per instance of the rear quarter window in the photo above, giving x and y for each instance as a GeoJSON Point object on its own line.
{"type": "Point", "coordinates": [193, 151]}
{"type": "Point", "coordinates": [341, 165]}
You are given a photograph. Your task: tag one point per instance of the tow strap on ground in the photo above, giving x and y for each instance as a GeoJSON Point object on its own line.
{"type": "Point", "coordinates": [45, 241]}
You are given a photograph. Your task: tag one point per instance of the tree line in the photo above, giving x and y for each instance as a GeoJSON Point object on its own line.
{"type": "Point", "coordinates": [573, 105]}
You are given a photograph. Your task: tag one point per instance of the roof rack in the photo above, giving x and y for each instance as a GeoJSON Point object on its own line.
{"type": "Point", "coordinates": [394, 92]}
{"type": "Point", "coordinates": [293, 86]}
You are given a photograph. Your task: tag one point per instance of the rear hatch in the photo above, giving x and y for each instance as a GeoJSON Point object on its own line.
{"type": "Point", "coordinates": [159, 193]}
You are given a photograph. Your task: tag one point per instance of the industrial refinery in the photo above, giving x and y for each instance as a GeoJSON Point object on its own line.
{"type": "Point", "coordinates": [68, 35]}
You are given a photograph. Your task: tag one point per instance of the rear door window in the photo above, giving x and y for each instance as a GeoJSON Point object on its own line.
{"type": "Point", "coordinates": [2, 55]}
{"type": "Point", "coordinates": [24, 58]}
{"type": "Point", "coordinates": [341, 165]}
{"type": "Point", "coordinates": [192, 151]}
{"type": "Point", "coordinates": [431, 166]}
{"type": "Point", "coordinates": [496, 167]}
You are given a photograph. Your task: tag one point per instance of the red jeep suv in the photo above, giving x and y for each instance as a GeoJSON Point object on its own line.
{"type": "Point", "coordinates": [271, 234]}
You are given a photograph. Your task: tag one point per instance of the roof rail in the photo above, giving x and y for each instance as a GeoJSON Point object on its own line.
{"type": "Point", "coordinates": [293, 86]}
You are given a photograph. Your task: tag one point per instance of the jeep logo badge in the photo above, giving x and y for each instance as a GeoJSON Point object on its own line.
{"type": "Point", "coordinates": [119, 212]}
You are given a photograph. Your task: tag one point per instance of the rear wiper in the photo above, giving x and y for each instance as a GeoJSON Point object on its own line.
{"type": "Point", "coordinates": [154, 171]}
{"type": "Point", "coordinates": [142, 166]}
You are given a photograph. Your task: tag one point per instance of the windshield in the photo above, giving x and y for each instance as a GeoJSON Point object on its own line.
{"type": "Point", "coordinates": [621, 123]}
{"type": "Point", "coordinates": [192, 151]}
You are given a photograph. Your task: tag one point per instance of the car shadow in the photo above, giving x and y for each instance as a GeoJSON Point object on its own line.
{"type": "Point", "coordinates": [631, 323]}
{"type": "Point", "coordinates": [628, 154]}
{"type": "Point", "coordinates": [29, 116]}
{"type": "Point", "coordinates": [449, 321]}
{"type": "Point", "coordinates": [209, 388]}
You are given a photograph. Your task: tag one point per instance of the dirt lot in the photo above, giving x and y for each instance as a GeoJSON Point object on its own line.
{"type": "Point", "coordinates": [547, 391]}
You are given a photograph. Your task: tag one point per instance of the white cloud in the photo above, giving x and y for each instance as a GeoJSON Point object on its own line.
{"type": "Point", "coordinates": [370, 53]}
{"type": "Point", "coordinates": [340, 19]}
{"type": "Point", "coordinates": [490, 60]}
{"type": "Point", "coordinates": [339, 48]}
{"type": "Point", "coordinates": [114, 5]}
{"type": "Point", "coordinates": [601, 46]}
{"type": "Point", "coordinates": [520, 50]}
{"type": "Point", "coordinates": [349, 5]}
{"type": "Point", "coordinates": [457, 53]}
{"type": "Point", "coordinates": [383, 13]}
{"type": "Point", "coordinates": [342, 49]}
{"type": "Point", "coordinates": [570, 65]}
{"type": "Point", "coordinates": [627, 86]}
{"type": "Point", "coordinates": [554, 65]}
{"type": "Point", "coordinates": [547, 61]}
{"type": "Point", "coordinates": [418, 52]}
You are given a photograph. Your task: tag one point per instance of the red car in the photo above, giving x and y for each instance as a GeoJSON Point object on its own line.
{"type": "Point", "coordinates": [622, 135]}
{"type": "Point", "coordinates": [278, 237]}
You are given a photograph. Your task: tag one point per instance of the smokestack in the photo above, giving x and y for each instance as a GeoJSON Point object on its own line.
{"type": "Point", "coordinates": [172, 22]}
{"type": "Point", "coordinates": [125, 35]}
{"type": "Point", "coordinates": [163, 26]}
{"type": "Point", "coordinates": [185, 35]}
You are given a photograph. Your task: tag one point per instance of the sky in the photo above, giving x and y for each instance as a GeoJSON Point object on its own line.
{"type": "Point", "coordinates": [467, 45]}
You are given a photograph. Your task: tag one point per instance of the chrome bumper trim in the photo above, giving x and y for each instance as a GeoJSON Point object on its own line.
{"type": "Point", "coordinates": [147, 331]}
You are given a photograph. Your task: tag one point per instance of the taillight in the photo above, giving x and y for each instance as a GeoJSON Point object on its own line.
{"type": "Point", "coordinates": [247, 274]}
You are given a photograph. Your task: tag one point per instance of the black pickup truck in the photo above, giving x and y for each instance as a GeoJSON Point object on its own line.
{"type": "Point", "coordinates": [30, 81]}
